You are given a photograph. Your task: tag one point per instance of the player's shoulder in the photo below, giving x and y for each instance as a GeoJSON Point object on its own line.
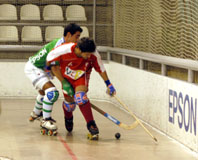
{"type": "Point", "coordinates": [66, 47]}
{"type": "Point", "coordinates": [53, 42]}
{"type": "Point", "coordinates": [56, 40]}
{"type": "Point", "coordinates": [96, 54]}
{"type": "Point", "coordinates": [59, 41]}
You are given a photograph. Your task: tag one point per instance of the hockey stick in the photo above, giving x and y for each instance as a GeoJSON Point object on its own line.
{"type": "Point", "coordinates": [133, 115]}
{"type": "Point", "coordinates": [114, 120]}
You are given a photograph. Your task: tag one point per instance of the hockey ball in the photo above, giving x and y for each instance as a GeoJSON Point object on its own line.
{"type": "Point", "coordinates": [117, 135]}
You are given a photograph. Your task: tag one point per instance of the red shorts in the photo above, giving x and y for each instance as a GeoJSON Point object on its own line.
{"type": "Point", "coordinates": [82, 81]}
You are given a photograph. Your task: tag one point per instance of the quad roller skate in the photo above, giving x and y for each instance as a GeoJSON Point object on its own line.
{"type": "Point", "coordinates": [34, 116]}
{"type": "Point", "coordinates": [69, 124]}
{"type": "Point", "coordinates": [93, 129]}
{"type": "Point", "coordinates": [48, 127]}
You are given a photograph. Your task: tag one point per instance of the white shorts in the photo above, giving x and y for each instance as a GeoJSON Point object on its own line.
{"type": "Point", "coordinates": [37, 76]}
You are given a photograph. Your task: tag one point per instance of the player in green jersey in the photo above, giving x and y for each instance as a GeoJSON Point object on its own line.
{"type": "Point", "coordinates": [39, 74]}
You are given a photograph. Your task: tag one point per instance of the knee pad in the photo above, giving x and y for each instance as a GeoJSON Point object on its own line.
{"type": "Point", "coordinates": [81, 98]}
{"type": "Point", "coordinates": [39, 99]}
{"type": "Point", "coordinates": [52, 94]}
{"type": "Point", "coordinates": [69, 107]}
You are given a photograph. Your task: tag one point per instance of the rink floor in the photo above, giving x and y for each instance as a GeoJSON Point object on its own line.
{"type": "Point", "coordinates": [21, 139]}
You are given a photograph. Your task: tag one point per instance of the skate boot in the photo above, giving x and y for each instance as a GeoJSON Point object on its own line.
{"type": "Point", "coordinates": [69, 124]}
{"type": "Point", "coordinates": [34, 116]}
{"type": "Point", "coordinates": [93, 129]}
{"type": "Point", "coordinates": [48, 127]}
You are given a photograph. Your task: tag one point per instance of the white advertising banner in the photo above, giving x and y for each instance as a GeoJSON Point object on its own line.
{"type": "Point", "coordinates": [182, 112]}
{"type": "Point", "coordinates": [168, 104]}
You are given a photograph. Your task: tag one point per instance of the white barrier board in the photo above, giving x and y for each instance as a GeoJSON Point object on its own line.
{"type": "Point", "coordinates": [167, 104]}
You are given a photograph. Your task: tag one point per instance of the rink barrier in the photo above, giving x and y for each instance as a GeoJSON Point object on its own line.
{"type": "Point", "coordinates": [190, 65]}
{"type": "Point", "coordinates": [167, 104]}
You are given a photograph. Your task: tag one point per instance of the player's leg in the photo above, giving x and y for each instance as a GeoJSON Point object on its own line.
{"type": "Point", "coordinates": [35, 75]}
{"type": "Point", "coordinates": [68, 107]}
{"type": "Point", "coordinates": [37, 111]}
{"type": "Point", "coordinates": [51, 96]}
{"type": "Point", "coordinates": [41, 81]}
{"type": "Point", "coordinates": [82, 100]}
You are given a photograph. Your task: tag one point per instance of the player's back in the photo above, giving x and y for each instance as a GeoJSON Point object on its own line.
{"type": "Point", "coordinates": [39, 59]}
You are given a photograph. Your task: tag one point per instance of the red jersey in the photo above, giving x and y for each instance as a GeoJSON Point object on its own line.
{"type": "Point", "coordinates": [74, 67]}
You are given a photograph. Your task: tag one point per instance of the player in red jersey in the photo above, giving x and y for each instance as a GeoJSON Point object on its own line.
{"type": "Point", "coordinates": [76, 62]}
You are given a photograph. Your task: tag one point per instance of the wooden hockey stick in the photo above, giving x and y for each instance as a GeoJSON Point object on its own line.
{"type": "Point", "coordinates": [114, 120]}
{"type": "Point", "coordinates": [133, 115]}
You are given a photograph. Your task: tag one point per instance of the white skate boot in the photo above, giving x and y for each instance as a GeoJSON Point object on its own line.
{"type": "Point", "coordinates": [34, 116]}
{"type": "Point", "coordinates": [48, 127]}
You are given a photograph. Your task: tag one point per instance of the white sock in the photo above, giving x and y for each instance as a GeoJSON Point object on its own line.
{"type": "Point", "coordinates": [38, 105]}
{"type": "Point", "coordinates": [47, 107]}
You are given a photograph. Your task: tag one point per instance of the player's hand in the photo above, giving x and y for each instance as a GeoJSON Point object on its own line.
{"type": "Point", "coordinates": [47, 70]}
{"type": "Point", "coordinates": [67, 88]}
{"type": "Point", "coordinates": [50, 75]}
{"type": "Point", "coordinates": [111, 90]}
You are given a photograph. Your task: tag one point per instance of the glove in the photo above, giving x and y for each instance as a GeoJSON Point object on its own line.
{"type": "Point", "coordinates": [47, 69]}
{"type": "Point", "coordinates": [50, 75]}
{"type": "Point", "coordinates": [110, 89]}
{"type": "Point", "coordinates": [67, 88]}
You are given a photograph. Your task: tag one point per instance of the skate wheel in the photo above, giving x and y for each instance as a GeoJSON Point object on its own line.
{"type": "Point", "coordinates": [92, 137]}
{"type": "Point", "coordinates": [43, 132]}
{"type": "Point", "coordinates": [54, 133]}
{"type": "Point", "coordinates": [31, 119]}
{"type": "Point", "coordinates": [50, 133]}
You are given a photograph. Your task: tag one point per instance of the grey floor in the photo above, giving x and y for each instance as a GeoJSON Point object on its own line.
{"type": "Point", "coordinates": [21, 140]}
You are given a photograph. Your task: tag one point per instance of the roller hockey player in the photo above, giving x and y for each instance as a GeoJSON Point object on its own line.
{"type": "Point", "coordinates": [40, 75]}
{"type": "Point", "coordinates": [76, 62]}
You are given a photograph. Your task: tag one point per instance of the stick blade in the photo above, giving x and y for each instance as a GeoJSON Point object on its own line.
{"type": "Point", "coordinates": [129, 127]}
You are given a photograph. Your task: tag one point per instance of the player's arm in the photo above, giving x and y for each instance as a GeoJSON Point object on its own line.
{"type": "Point", "coordinates": [57, 72]}
{"type": "Point", "coordinates": [52, 61]}
{"type": "Point", "coordinates": [66, 86]}
{"type": "Point", "coordinates": [54, 55]}
{"type": "Point", "coordinates": [99, 67]}
{"type": "Point", "coordinates": [110, 88]}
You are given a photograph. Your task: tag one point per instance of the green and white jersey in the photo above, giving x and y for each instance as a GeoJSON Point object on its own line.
{"type": "Point", "coordinates": [39, 59]}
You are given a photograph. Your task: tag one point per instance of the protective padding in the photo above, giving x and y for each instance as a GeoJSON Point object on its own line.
{"type": "Point", "coordinates": [52, 94]}
{"type": "Point", "coordinates": [69, 107]}
{"type": "Point", "coordinates": [81, 98]}
{"type": "Point", "coordinates": [111, 89]}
